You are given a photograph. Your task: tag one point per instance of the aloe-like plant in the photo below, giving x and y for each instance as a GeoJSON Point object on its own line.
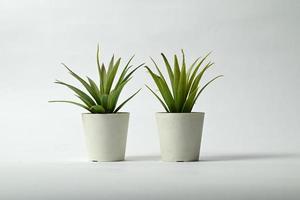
{"type": "Point", "coordinates": [102, 97]}
{"type": "Point", "coordinates": [185, 88]}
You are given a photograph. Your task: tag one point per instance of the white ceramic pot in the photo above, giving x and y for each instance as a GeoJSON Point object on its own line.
{"type": "Point", "coordinates": [180, 135]}
{"type": "Point", "coordinates": [106, 135]}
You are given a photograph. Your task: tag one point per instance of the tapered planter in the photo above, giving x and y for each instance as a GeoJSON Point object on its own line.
{"type": "Point", "coordinates": [180, 135]}
{"type": "Point", "coordinates": [106, 135]}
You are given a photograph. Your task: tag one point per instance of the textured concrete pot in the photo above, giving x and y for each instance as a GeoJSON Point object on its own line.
{"type": "Point", "coordinates": [106, 135]}
{"type": "Point", "coordinates": [180, 135]}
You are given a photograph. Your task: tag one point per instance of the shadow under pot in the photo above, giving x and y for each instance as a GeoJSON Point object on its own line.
{"type": "Point", "coordinates": [106, 136]}
{"type": "Point", "coordinates": [180, 135]}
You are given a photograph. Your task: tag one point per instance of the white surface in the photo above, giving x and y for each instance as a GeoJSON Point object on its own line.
{"type": "Point", "coordinates": [267, 176]}
{"type": "Point", "coordinates": [254, 108]}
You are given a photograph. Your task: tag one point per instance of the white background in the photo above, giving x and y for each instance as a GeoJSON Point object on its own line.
{"type": "Point", "coordinates": [252, 113]}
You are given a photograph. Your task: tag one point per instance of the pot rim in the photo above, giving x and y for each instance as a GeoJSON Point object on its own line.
{"type": "Point", "coordinates": [117, 113]}
{"type": "Point", "coordinates": [178, 113]}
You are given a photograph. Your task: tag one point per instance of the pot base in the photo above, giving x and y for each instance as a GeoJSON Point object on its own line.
{"type": "Point", "coordinates": [180, 160]}
{"type": "Point", "coordinates": [119, 160]}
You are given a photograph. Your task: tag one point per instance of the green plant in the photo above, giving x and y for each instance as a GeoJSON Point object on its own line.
{"type": "Point", "coordinates": [184, 87]}
{"type": "Point", "coordinates": [102, 99]}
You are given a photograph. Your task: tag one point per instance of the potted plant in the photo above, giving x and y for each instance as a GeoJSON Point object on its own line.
{"type": "Point", "coordinates": [180, 129]}
{"type": "Point", "coordinates": [105, 127]}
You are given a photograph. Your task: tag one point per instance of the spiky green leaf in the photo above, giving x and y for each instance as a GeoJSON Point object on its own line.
{"type": "Point", "coordinates": [111, 75]}
{"type": "Point", "coordinates": [163, 88]}
{"type": "Point", "coordinates": [184, 83]}
{"type": "Point", "coordinates": [97, 109]}
{"type": "Point", "coordinates": [122, 104]}
{"type": "Point", "coordinates": [160, 100]}
{"type": "Point", "coordinates": [78, 92]}
{"type": "Point", "coordinates": [201, 90]}
{"type": "Point", "coordinates": [70, 102]}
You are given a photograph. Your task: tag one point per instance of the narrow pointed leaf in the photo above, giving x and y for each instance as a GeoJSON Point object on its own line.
{"type": "Point", "coordinates": [95, 89]}
{"type": "Point", "coordinates": [104, 101]}
{"type": "Point", "coordinates": [196, 81]}
{"type": "Point", "coordinates": [70, 102]}
{"type": "Point", "coordinates": [160, 100]}
{"type": "Point", "coordinates": [79, 92]}
{"type": "Point", "coordinates": [125, 70]}
{"type": "Point", "coordinates": [187, 106]}
{"type": "Point", "coordinates": [98, 59]}
{"type": "Point", "coordinates": [130, 73]}
{"type": "Point", "coordinates": [176, 76]}
{"type": "Point", "coordinates": [102, 78]}
{"type": "Point", "coordinates": [157, 68]}
{"type": "Point", "coordinates": [181, 93]}
{"type": "Point", "coordinates": [83, 82]}
{"type": "Point", "coordinates": [99, 67]}
{"type": "Point", "coordinates": [114, 95]}
{"type": "Point", "coordinates": [197, 68]}
{"type": "Point", "coordinates": [163, 88]}
{"type": "Point", "coordinates": [111, 64]}
{"type": "Point", "coordinates": [126, 66]}
{"type": "Point", "coordinates": [121, 78]}
{"type": "Point", "coordinates": [201, 90]}
{"type": "Point", "coordinates": [192, 67]}
{"type": "Point", "coordinates": [111, 76]}
{"type": "Point", "coordinates": [97, 109]}
{"type": "Point", "coordinates": [122, 104]}
{"type": "Point", "coordinates": [169, 69]}
{"type": "Point", "coordinates": [84, 101]}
